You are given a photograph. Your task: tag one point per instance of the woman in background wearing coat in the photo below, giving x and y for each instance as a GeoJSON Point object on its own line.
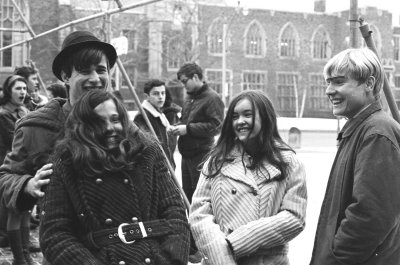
{"type": "Point", "coordinates": [251, 197]}
{"type": "Point", "coordinates": [111, 199]}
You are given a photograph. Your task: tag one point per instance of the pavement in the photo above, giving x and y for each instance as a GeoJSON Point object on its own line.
{"type": "Point", "coordinates": [6, 256]}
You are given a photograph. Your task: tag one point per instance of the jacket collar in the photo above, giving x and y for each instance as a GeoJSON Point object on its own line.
{"type": "Point", "coordinates": [236, 171]}
{"type": "Point", "coordinates": [155, 113]}
{"type": "Point", "coordinates": [199, 93]}
{"type": "Point", "coordinates": [353, 123]}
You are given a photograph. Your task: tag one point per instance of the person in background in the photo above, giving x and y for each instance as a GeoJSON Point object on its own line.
{"type": "Point", "coordinates": [251, 197]}
{"type": "Point", "coordinates": [154, 91]}
{"type": "Point", "coordinates": [202, 115]}
{"type": "Point", "coordinates": [359, 220]}
{"type": "Point", "coordinates": [56, 91]}
{"type": "Point", "coordinates": [14, 227]}
{"type": "Point", "coordinates": [111, 179]}
{"type": "Point", "coordinates": [83, 64]}
{"type": "Point", "coordinates": [173, 113]}
{"type": "Point", "coordinates": [34, 99]}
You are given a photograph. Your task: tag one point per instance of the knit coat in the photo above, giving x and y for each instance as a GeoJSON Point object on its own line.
{"type": "Point", "coordinates": [254, 211]}
{"type": "Point", "coordinates": [75, 205]}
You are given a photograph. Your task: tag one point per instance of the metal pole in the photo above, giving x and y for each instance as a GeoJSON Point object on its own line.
{"type": "Point", "coordinates": [367, 35]}
{"type": "Point", "coordinates": [224, 89]}
{"type": "Point", "coordinates": [353, 19]}
{"type": "Point", "coordinates": [69, 24]}
{"type": "Point", "coordinates": [137, 101]}
{"type": "Point", "coordinates": [24, 19]}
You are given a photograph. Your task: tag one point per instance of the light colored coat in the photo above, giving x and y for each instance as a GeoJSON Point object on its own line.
{"type": "Point", "coordinates": [258, 214]}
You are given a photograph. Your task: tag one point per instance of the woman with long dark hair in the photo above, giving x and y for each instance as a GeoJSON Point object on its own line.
{"type": "Point", "coordinates": [111, 199]}
{"type": "Point", "coordinates": [251, 197]}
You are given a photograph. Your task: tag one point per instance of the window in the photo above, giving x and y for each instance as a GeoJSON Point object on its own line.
{"type": "Point", "coordinates": [288, 42]}
{"type": "Point", "coordinates": [214, 37]}
{"type": "Point", "coordinates": [397, 81]}
{"type": "Point", "coordinates": [287, 83]}
{"type": "Point", "coordinates": [396, 48]}
{"type": "Point", "coordinates": [132, 40]}
{"type": "Point", "coordinates": [321, 48]}
{"type": "Point", "coordinates": [214, 80]}
{"type": "Point", "coordinates": [176, 51]}
{"type": "Point", "coordinates": [254, 40]}
{"type": "Point", "coordinates": [10, 19]}
{"type": "Point", "coordinates": [254, 81]}
{"type": "Point", "coordinates": [318, 98]}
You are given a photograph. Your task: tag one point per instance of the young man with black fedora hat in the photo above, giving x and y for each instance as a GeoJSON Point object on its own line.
{"type": "Point", "coordinates": [83, 64]}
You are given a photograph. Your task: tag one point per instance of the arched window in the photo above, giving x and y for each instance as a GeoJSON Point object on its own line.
{"type": "Point", "coordinates": [255, 40]}
{"type": "Point", "coordinates": [175, 53]}
{"type": "Point", "coordinates": [321, 44]}
{"type": "Point", "coordinates": [214, 36]}
{"type": "Point", "coordinates": [10, 19]}
{"type": "Point", "coordinates": [288, 41]}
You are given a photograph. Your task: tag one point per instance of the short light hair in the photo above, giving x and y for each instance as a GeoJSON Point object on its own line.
{"type": "Point", "coordinates": [358, 64]}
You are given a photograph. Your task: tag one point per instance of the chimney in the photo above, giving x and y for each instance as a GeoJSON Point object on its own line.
{"type": "Point", "coordinates": [320, 6]}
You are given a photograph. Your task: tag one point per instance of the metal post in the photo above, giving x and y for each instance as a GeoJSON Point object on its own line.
{"type": "Point", "coordinates": [69, 24]}
{"type": "Point", "coordinates": [367, 35]}
{"type": "Point", "coordinates": [224, 88]}
{"type": "Point", "coordinates": [137, 101]}
{"type": "Point", "coordinates": [353, 19]}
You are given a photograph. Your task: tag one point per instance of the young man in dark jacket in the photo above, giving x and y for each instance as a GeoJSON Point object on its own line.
{"type": "Point", "coordinates": [202, 116]}
{"type": "Point", "coordinates": [83, 64]}
{"type": "Point", "coordinates": [359, 221]}
{"type": "Point", "coordinates": [155, 93]}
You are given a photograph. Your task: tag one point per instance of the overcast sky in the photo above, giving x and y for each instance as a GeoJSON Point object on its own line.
{"type": "Point", "coordinates": [392, 6]}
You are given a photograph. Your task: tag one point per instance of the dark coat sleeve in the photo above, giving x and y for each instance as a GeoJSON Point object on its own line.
{"type": "Point", "coordinates": [15, 172]}
{"type": "Point", "coordinates": [212, 117]}
{"type": "Point", "coordinates": [376, 202]}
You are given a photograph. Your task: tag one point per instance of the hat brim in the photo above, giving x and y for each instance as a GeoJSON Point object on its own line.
{"type": "Point", "coordinates": [59, 59]}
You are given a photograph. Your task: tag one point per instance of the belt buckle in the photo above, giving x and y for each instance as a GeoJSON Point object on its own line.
{"type": "Point", "coordinates": [121, 234]}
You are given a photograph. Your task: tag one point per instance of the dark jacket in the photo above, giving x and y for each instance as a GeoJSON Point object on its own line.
{"type": "Point", "coordinates": [202, 113]}
{"type": "Point", "coordinates": [8, 118]}
{"type": "Point", "coordinates": [359, 221]}
{"type": "Point", "coordinates": [34, 139]}
{"type": "Point", "coordinates": [160, 130]}
{"type": "Point", "coordinates": [173, 113]}
{"type": "Point", "coordinates": [76, 205]}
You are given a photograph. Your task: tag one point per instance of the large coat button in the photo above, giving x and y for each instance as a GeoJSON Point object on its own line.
{"type": "Point", "coordinates": [126, 181]}
{"type": "Point", "coordinates": [99, 181]}
{"type": "Point", "coordinates": [121, 262]}
{"type": "Point", "coordinates": [147, 260]}
{"type": "Point", "coordinates": [234, 191]}
{"type": "Point", "coordinates": [109, 221]}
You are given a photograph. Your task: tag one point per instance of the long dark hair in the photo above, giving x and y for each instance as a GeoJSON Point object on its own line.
{"type": "Point", "coordinates": [84, 129]}
{"type": "Point", "coordinates": [269, 143]}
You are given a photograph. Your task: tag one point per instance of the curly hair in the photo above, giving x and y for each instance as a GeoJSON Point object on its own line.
{"type": "Point", "coordinates": [84, 129]}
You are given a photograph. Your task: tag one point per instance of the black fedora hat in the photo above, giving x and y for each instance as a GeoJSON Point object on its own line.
{"type": "Point", "coordinates": [76, 40]}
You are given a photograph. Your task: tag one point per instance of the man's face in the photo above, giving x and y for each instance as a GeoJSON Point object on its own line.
{"type": "Point", "coordinates": [95, 77]}
{"type": "Point", "coordinates": [33, 82]}
{"type": "Point", "coordinates": [35, 94]}
{"type": "Point", "coordinates": [156, 97]}
{"type": "Point", "coordinates": [191, 84]}
{"type": "Point", "coordinates": [347, 96]}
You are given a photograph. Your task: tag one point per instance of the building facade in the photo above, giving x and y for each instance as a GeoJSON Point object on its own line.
{"type": "Point", "coordinates": [281, 53]}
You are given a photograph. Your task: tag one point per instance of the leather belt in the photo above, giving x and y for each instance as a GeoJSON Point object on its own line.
{"type": "Point", "coordinates": [127, 233]}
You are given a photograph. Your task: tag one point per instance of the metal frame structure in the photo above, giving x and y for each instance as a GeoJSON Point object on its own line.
{"type": "Point", "coordinates": [120, 8]}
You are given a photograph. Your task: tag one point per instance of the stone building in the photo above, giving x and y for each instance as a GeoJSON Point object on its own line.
{"type": "Point", "coordinates": [281, 53]}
